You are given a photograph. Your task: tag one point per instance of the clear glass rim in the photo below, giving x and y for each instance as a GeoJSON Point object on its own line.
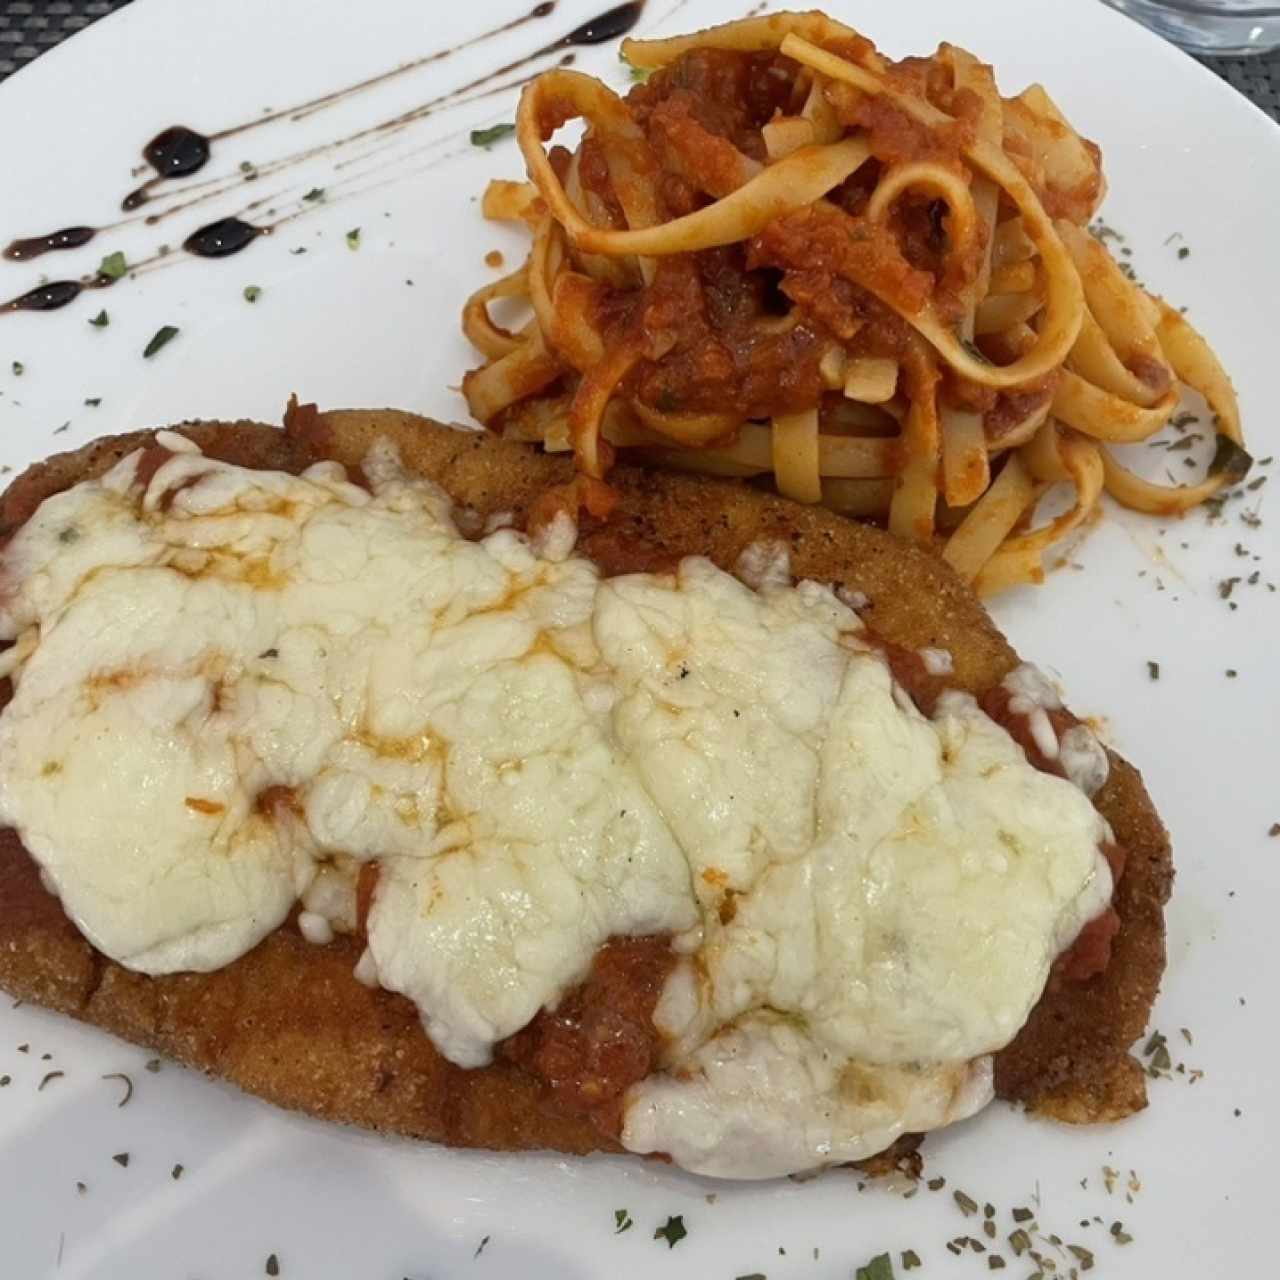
{"type": "Point", "coordinates": [1250, 14]}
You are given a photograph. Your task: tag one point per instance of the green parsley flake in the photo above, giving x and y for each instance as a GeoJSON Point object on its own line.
{"type": "Point", "coordinates": [316, 193]}
{"type": "Point", "coordinates": [353, 238]}
{"type": "Point", "coordinates": [160, 339]}
{"type": "Point", "coordinates": [879, 1268]}
{"type": "Point", "coordinates": [19, 368]}
{"type": "Point", "coordinates": [1153, 669]}
{"type": "Point", "coordinates": [113, 266]}
{"type": "Point", "coordinates": [101, 320]}
{"type": "Point", "coordinates": [495, 133]}
{"type": "Point", "coordinates": [252, 293]}
{"type": "Point", "coordinates": [672, 1231]}
{"type": "Point", "coordinates": [621, 1221]}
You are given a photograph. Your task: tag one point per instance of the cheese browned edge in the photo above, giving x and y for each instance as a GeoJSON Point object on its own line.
{"type": "Point", "coordinates": [289, 1023]}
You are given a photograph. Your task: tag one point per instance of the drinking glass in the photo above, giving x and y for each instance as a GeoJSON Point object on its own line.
{"type": "Point", "coordinates": [1209, 26]}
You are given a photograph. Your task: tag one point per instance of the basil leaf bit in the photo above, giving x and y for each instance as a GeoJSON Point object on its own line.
{"type": "Point", "coordinates": [879, 1268]}
{"type": "Point", "coordinates": [19, 368]}
{"type": "Point", "coordinates": [113, 266]}
{"type": "Point", "coordinates": [101, 320]}
{"type": "Point", "coordinates": [161, 338]}
{"type": "Point", "coordinates": [316, 193]}
{"type": "Point", "coordinates": [252, 293]}
{"type": "Point", "coordinates": [621, 1221]}
{"type": "Point", "coordinates": [495, 133]}
{"type": "Point", "coordinates": [353, 238]}
{"type": "Point", "coordinates": [672, 1231]}
{"type": "Point", "coordinates": [1230, 460]}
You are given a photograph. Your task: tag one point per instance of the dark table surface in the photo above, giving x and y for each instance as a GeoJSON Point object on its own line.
{"type": "Point", "coordinates": [29, 27]}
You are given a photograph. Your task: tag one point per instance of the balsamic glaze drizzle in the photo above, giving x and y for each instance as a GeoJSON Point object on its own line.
{"type": "Point", "coordinates": [34, 246]}
{"type": "Point", "coordinates": [179, 151]}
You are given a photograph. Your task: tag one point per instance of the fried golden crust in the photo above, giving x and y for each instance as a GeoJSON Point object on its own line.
{"type": "Point", "coordinates": [289, 1022]}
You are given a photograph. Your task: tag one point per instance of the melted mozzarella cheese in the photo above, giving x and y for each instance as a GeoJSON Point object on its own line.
{"type": "Point", "coordinates": [763, 1099]}
{"type": "Point", "coordinates": [232, 687]}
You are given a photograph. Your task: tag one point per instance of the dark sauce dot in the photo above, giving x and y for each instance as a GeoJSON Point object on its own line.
{"type": "Point", "coordinates": [177, 151]}
{"type": "Point", "coordinates": [607, 26]}
{"type": "Point", "coordinates": [46, 297]}
{"type": "Point", "coordinates": [223, 238]}
{"type": "Point", "coordinates": [34, 246]}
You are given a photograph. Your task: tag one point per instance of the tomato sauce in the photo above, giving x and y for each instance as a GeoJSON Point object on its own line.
{"type": "Point", "coordinates": [600, 1040]}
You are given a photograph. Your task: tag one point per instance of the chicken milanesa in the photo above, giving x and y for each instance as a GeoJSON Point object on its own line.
{"type": "Point", "coordinates": [290, 1023]}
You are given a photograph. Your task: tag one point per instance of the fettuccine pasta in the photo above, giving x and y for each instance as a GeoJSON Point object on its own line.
{"type": "Point", "coordinates": [872, 284]}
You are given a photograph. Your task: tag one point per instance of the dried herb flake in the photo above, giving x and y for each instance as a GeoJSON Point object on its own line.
{"type": "Point", "coordinates": [879, 1268]}
{"type": "Point", "coordinates": [1230, 460]}
{"type": "Point", "coordinates": [672, 1231]}
{"type": "Point", "coordinates": [128, 1085]}
{"type": "Point", "coordinates": [495, 133]}
{"type": "Point", "coordinates": [160, 339]}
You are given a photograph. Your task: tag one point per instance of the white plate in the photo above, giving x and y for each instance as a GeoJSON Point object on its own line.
{"type": "Point", "coordinates": [1184, 154]}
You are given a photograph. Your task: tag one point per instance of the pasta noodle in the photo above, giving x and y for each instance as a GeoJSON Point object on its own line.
{"type": "Point", "coordinates": [784, 257]}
